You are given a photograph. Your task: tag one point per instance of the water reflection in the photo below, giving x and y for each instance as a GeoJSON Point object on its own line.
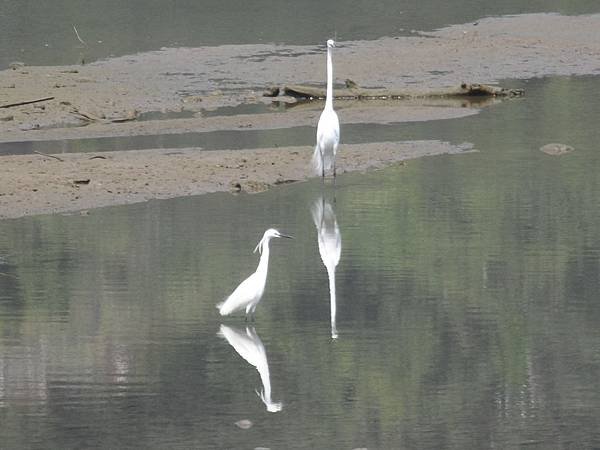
{"type": "Point", "coordinates": [250, 347]}
{"type": "Point", "coordinates": [329, 239]}
{"type": "Point", "coordinates": [510, 361]}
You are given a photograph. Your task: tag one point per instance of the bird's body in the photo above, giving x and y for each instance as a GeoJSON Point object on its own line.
{"type": "Point", "coordinates": [328, 138]}
{"type": "Point", "coordinates": [250, 291]}
{"type": "Point", "coordinates": [328, 128]}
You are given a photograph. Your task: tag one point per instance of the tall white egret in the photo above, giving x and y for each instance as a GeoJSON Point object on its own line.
{"type": "Point", "coordinates": [250, 347]}
{"type": "Point", "coordinates": [328, 129]}
{"type": "Point", "coordinates": [250, 291]}
{"type": "Point", "coordinates": [330, 247]}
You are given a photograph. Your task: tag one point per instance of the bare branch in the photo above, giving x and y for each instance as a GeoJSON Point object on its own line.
{"type": "Point", "coordinates": [48, 156]}
{"type": "Point", "coordinates": [27, 102]}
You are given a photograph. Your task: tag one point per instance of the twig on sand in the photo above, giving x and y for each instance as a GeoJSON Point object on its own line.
{"type": "Point", "coordinates": [27, 102]}
{"type": "Point", "coordinates": [49, 156]}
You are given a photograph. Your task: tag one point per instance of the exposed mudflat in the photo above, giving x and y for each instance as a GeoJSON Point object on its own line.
{"type": "Point", "coordinates": [38, 184]}
{"type": "Point", "coordinates": [306, 114]}
{"type": "Point", "coordinates": [196, 79]}
{"type": "Point", "coordinates": [109, 98]}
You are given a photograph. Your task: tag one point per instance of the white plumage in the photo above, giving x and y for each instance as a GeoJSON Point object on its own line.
{"type": "Point", "coordinates": [329, 239]}
{"type": "Point", "coordinates": [249, 346]}
{"type": "Point", "coordinates": [250, 291]}
{"type": "Point", "coordinates": [328, 129]}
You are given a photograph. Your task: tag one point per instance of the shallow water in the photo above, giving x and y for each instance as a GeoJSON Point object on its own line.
{"type": "Point", "coordinates": [304, 135]}
{"type": "Point", "coordinates": [42, 34]}
{"type": "Point", "coordinates": [467, 304]}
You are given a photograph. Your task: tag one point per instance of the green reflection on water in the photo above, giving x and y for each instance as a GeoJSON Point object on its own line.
{"type": "Point", "coordinates": [466, 293]}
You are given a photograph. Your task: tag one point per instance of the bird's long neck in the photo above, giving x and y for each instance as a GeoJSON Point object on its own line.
{"type": "Point", "coordinates": [263, 264]}
{"type": "Point", "coordinates": [329, 97]}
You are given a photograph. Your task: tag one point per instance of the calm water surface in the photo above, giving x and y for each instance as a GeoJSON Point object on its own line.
{"type": "Point", "coordinates": [467, 304]}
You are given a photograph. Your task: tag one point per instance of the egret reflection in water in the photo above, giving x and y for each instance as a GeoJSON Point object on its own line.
{"type": "Point", "coordinates": [330, 248]}
{"type": "Point", "coordinates": [250, 347]}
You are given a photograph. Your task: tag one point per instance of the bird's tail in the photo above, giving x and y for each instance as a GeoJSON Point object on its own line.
{"type": "Point", "coordinates": [223, 308]}
{"type": "Point", "coordinates": [322, 160]}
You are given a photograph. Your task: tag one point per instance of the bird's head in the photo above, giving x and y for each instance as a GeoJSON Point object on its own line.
{"type": "Point", "coordinates": [269, 234]}
{"type": "Point", "coordinates": [330, 43]}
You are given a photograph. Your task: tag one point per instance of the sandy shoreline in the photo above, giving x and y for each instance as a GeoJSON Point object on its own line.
{"type": "Point", "coordinates": [107, 99]}
{"type": "Point", "coordinates": [200, 79]}
{"type": "Point", "coordinates": [38, 184]}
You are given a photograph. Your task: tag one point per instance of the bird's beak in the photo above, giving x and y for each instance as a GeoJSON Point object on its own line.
{"type": "Point", "coordinates": [286, 236]}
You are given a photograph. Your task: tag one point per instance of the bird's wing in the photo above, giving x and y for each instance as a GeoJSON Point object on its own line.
{"type": "Point", "coordinates": [336, 127]}
{"type": "Point", "coordinates": [328, 121]}
{"type": "Point", "coordinates": [240, 297]}
{"type": "Point", "coordinates": [328, 130]}
{"type": "Point", "coordinates": [328, 137]}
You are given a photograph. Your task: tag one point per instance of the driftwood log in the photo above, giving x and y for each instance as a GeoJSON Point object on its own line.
{"type": "Point", "coordinates": [354, 92]}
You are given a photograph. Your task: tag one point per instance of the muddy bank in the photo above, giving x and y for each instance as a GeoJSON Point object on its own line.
{"type": "Point", "coordinates": [307, 114]}
{"type": "Point", "coordinates": [190, 85]}
{"type": "Point", "coordinates": [39, 184]}
{"type": "Point", "coordinates": [107, 97]}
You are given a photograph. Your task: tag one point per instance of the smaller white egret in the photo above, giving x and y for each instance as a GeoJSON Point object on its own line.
{"type": "Point", "coordinates": [250, 291]}
{"type": "Point", "coordinates": [328, 129]}
{"type": "Point", "coordinates": [249, 346]}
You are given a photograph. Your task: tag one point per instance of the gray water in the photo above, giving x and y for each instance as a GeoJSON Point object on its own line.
{"type": "Point", "coordinates": [467, 302]}
{"type": "Point", "coordinates": [41, 33]}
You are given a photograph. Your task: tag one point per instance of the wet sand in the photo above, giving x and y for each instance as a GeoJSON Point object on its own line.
{"type": "Point", "coordinates": [38, 184]}
{"type": "Point", "coordinates": [197, 79]}
{"type": "Point", "coordinates": [106, 99]}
